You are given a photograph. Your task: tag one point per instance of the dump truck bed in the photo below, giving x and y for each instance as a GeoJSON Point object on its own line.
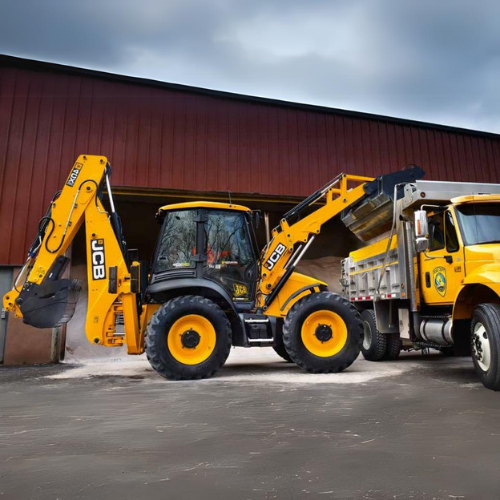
{"type": "Point", "coordinates": [361, 273]}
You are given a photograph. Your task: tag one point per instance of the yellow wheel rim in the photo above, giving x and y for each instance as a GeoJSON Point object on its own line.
{"type": "Point", "coordinates": [324, 333]}
{"type": "Point", "coordinates": [191, 340]}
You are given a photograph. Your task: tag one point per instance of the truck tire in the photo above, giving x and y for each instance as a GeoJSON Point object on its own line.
{"type": "Point", "coordinates": [374, 343]}
{"type": "Point", "coordinates": [323, 333]}
{"type": "Point", "coordinates": [279, 346]}
{"type": "Point", "coordinates": [188, 338]}
{"type": "Point", "coordinates": [394, 346]}
{"type": "Point", "coordinates": [485, 342]}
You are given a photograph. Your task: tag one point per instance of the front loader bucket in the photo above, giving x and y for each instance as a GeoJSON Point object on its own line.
{"type": "Point", "coordinates": [50, 304]}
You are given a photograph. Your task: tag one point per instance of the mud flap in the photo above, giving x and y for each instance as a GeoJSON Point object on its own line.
{"type": "Point", "coordinates": [50, 304]}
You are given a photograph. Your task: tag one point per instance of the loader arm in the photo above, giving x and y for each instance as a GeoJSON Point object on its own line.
{"type": "Point", "coordinates": [295, 233]}
{"type": "Point", "coordinates": [44, 299]}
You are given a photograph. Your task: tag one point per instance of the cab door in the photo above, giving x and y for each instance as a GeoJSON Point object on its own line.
{"type": "Point", "coordinates": [442, 266]}
{"type": "Point", "coordinates": [231, 260]}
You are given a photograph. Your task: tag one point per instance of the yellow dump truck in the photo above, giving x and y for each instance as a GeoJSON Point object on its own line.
{"type": "Point", "coordinates": [429, 275]}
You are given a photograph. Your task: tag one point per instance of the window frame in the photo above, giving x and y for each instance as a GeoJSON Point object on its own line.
{"type": "Point", "coordinates": [192, 262]}
{"type": "Point", "coordinates": [448, 215]}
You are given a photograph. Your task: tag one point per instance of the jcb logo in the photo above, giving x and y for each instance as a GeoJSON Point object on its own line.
{"type": "Point", "coordinates": [240, 290]}
{"type": "Point", "coordinates": [275, 256]}
{"type": "Point", "coordinates": [98, 262]}
{"type": "Point", "coordinates": [74, 174]}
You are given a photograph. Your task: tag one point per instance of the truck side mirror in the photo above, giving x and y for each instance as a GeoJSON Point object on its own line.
{"type": "Point", "coordinates": [421, 231]}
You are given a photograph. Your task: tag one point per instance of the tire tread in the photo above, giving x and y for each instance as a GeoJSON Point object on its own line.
{"type": "Point", "coordinates": [154, 333]}
{"type": "Point", "coordinates": [293, 315]}
{"type": "Point", "coordinates": [379, 340]}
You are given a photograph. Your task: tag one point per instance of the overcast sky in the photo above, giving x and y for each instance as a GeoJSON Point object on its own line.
{"type": "Point", "coordinates": [430, 60]}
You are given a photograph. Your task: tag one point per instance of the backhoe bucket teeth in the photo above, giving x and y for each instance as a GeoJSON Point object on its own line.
{"type": "Point", "coordinates": [50, 304]}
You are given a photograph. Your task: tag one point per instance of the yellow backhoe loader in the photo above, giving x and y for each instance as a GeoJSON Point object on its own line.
{"type": "Point", "coordinates": [208, 287]}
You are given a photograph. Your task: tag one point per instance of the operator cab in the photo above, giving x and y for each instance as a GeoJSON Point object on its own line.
{"type": "Point", "coordinates": [210, 241]}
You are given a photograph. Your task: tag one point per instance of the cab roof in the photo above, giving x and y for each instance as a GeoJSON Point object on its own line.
{"type": "Point", "coordinates": [204, 204]}
{"type": "Point", "coordinates": [474, 198]}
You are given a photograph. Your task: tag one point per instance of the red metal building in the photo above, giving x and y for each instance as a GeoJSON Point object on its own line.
{"type": "Point", "coordinates": [167, 138]}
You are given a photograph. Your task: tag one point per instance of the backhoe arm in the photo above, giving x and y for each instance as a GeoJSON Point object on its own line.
{"type": "Point", "coordinates": [295, 233]}
{"type": "Point", "coordinates": [44, 300]}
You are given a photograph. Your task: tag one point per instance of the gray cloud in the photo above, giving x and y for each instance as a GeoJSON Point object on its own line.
{"type": "Point", "coordinates": [436, 61]}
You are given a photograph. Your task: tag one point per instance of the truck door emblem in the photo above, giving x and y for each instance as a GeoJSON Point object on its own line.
{"type": "Point", "coordinates": [98, 262]}
{"type": "Point", "coordinates": [439, 275]}
{"type": "Point", "coordinates": [278, 252]}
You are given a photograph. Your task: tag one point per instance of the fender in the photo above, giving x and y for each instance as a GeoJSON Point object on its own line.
{"type": "Point", "coordinates": [478, 287]}
{"type": "Point", "coordinates": [486, 274]}
{"type": "Point", "coordinates": [170, 288]}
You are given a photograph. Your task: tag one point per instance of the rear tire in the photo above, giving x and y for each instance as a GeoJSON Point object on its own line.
{"type": "Point", "coordinates": [485, 341]}
{"type": "Point", "coordinates": [374, 343]}
{"type": "Point", "coordinates": [188, 338]}
{"type": "Point", "coordinates": [394, 346]}
{"type": "Point", "coordinates": [322, 333]}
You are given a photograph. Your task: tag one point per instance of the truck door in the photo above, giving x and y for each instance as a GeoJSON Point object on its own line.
{"type": "Point", "coordinates": [442, 266]}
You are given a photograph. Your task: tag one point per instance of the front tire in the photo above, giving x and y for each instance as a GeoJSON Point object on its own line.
{"type": "Point", "coordinates": [323, 333]}
{"type": "Point", "coordinates": [188, 338]}
{"type": "Point", "coordinates": [485, 342]}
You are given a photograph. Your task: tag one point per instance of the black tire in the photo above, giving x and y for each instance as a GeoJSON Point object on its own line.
{"type": "Point", "coordinates": [374, 344]}
{"type": "Point", "coordinates": [157, 349]}
{"type": "Point", "coordinates": [485, 326]}
{"type": "Point", "coordinates": [279, 346]}
{"type": "Point", "coordinates": [394, 346]}
{"type": "Point", "coordinates": [292, 333]}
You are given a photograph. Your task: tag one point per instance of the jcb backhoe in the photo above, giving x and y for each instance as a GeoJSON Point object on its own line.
{"type": "Point", "coordinates": [206, 290]}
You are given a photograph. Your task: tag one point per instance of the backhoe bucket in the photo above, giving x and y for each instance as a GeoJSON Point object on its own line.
{"type": "Point", "coordinates": [50, 304]}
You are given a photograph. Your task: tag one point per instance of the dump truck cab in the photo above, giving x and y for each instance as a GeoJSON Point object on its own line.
{"type": "Point", "coordinates": [465, 237]}
{"type": "Point", "coordinates": [429, 276]}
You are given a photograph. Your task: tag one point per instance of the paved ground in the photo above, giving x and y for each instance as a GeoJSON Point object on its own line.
{"type": "Point", "coordinates": [418, 428]}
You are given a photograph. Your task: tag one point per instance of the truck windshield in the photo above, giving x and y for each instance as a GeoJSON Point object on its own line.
{"type": "Point", "coordinates": [479, 222]}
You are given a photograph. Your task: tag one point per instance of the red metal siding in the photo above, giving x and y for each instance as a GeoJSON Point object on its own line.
{"type": "Point", "coordinates": [163, 138]}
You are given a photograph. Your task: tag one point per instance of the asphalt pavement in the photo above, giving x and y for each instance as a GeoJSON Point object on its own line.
{"type": "Point", "coordinates": [421, 427]}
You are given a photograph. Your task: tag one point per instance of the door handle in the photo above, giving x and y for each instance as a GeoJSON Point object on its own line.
{"type": "Point", "coordinates": [428, 279]}
{"type": "Point", "coordinates": [448, 259]}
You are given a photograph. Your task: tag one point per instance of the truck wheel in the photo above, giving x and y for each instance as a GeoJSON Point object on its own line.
{"type": "Point", "coordinates": [394, 346]}
{"type": "Point", "coordinates": [323, 333]}
{"type": "Point", "coordinates": [279, 346]}
{"type": "Point", "coordinates": [374, 343]}
{"type": "Point", "coordinates": [485, 340]}
{"type": "Point", "coordinates": [188, 338]}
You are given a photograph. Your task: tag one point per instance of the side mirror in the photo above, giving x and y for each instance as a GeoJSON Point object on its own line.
{"type": "Point", "coordinates": [421, 231]}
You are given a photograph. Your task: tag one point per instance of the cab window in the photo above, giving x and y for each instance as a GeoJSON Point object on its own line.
{"type": "Point", "coordinates": [230, 258]}
{"type": "Point", "coordinates": [177, 245]}
{"type": "Point", "coordinates": [442, 232]}
{"type": "Point", "coordinates": [436, 232]}
{"type": "Point", "coordinates": [451, 233]}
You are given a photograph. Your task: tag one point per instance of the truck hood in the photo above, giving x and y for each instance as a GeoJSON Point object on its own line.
{"type": "Point", "coordinates": [482, 263]}
{"type": "Point", "coordinates": [489, 252]}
